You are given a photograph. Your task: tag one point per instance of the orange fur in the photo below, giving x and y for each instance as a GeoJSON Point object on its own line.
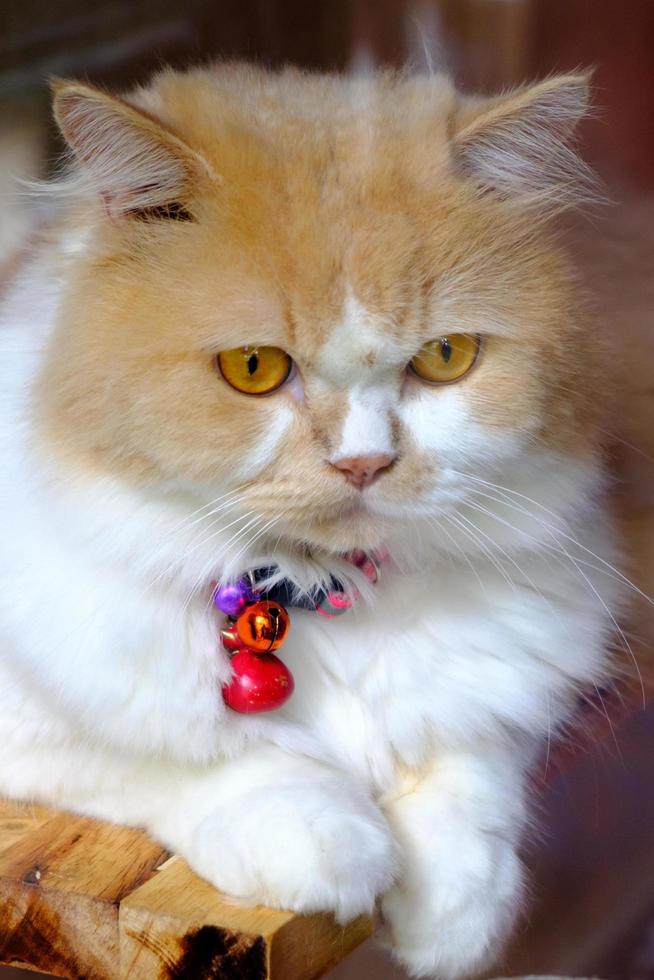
{"type": "Point", "coordinates": [307, 187]}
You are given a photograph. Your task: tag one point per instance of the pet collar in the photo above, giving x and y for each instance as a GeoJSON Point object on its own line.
{"type": "Point", "coordinates": [258, 624]}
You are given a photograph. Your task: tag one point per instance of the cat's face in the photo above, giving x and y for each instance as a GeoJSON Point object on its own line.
{"type": "Point", "coordinates": [319, 256]}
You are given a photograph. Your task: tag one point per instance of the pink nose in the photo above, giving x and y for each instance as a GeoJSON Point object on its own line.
{"type": "Point", "coordinates": [361, 471]}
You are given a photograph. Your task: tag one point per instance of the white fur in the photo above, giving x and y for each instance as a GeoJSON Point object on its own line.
{"type": "Point", "coordinates": [402, 754]}
{"type": "Point", "coordinates": [367, 429]}
{"type": "Point", "coordinates": [371, 392]}
{"type": "Point", "coordinates": [461, 824]}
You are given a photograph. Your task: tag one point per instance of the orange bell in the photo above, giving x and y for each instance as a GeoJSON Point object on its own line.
{"type": "Point", "coordinates": [263, 626]}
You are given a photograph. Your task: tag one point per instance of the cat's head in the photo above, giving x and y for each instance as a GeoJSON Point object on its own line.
{"type": "Point", "coordinates": [331, 304]}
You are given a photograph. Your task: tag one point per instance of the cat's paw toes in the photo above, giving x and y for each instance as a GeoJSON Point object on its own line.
{"type": "Point", "coordinates": [451, 920]}
{"type": "Point", "coordinates": [301, 847]}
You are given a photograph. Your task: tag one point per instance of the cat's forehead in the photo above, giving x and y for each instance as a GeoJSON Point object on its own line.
{"type": "Point", "coordinates": [356, 297]}
{"type": "Point", "coordinates": [359, 343]}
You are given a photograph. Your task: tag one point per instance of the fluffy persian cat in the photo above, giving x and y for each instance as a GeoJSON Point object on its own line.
{"type": "Point", "coordinates": [426, 379]}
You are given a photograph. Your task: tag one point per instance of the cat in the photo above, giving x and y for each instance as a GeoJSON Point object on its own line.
{"type": "Point", "coordinates": [430, 380]}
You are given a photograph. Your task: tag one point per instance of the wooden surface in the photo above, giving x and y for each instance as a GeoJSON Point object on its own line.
{"type": "Point", "coordinates": [84, 899]}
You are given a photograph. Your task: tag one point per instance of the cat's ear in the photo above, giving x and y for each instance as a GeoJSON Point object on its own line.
{"type": "Point", "coordinates": [523, 143]}
{"type": "Point", "coordinates": [130, 159]}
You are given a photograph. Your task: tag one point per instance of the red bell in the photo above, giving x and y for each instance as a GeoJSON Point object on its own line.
{"type": "Point", "coordinates": [263, 626]}
{"type": "Point", "coordinates": [261, 682]}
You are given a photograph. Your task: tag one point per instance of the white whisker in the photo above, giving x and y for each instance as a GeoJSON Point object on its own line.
{"type": "Point", "coordinates": [473, 532]}
{"type": "Point", "coordinates": [573, 540]}
{"type": "Point", "coordinates": [465, 557]}
{"type": "Point", "coordinates": [183, 558]}
{"type": "Point", "coordinates": [552, 531]}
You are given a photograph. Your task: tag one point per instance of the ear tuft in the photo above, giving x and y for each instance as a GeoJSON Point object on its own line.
{"type": "Point", "coordinates": [523, 144]}
{"type": "Point", "coordinates": [132, 161]}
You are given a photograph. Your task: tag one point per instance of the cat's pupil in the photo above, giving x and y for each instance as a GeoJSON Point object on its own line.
{"type": "Point", "coordinates": [253, 363]}
{"type": "Point", "coordinates": [446, 349]}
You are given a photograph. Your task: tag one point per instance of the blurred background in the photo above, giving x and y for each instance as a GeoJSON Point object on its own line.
{"type": "Point", "coordinates": [593, 897]}
{"type": "Point", "coordinates": [485, 44]}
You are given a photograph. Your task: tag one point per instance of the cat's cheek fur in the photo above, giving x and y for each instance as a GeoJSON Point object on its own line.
{"type": "Point", "coordinates": [442, 424]}
{"type": "Point", "coordinates": [278, 419]}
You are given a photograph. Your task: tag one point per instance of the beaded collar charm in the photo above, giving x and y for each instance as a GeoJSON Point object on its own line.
{"type": "Point", "coordinates": [258, 624]}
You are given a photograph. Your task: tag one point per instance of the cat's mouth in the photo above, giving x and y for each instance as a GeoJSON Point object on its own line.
{"type": "Point", "coordinates": [356, 509]}
{"type": "Point", "coordinates": [336, 525]}
{"type": "Point", "coordinates": [355, 526]}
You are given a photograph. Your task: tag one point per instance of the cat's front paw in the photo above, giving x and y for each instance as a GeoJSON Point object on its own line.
{"type": "Point", "coordinates": [323, 847]}
{"type": "Point", "coordinates": [449, 917]}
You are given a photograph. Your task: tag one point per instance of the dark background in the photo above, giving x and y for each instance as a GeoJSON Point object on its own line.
{"type": "Point", "coordinates": [485, 44]}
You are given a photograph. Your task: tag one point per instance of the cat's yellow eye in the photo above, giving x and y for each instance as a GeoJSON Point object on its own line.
{"type": "Point", "coordinates": [446, 359]}
{"type": "Point", "coordinates": [255, 370]}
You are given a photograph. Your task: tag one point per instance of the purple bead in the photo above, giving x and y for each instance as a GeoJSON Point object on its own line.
{"type": "Point", "coordinates": [232, 599]}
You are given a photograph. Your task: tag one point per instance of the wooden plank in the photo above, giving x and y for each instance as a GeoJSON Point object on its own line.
{"type": "Point", "coordinates": [18, 819]}
{"type": "Point", "coordinates": [61, 882]}
{"type": "Point", "coordinates": [308, 946]}
{"type": "Point", "coordinates": [84, 899]}
{"type": "Point", "coordinates": [81, 856]}
{"type": "Point", "coordinates": [177, 927]}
